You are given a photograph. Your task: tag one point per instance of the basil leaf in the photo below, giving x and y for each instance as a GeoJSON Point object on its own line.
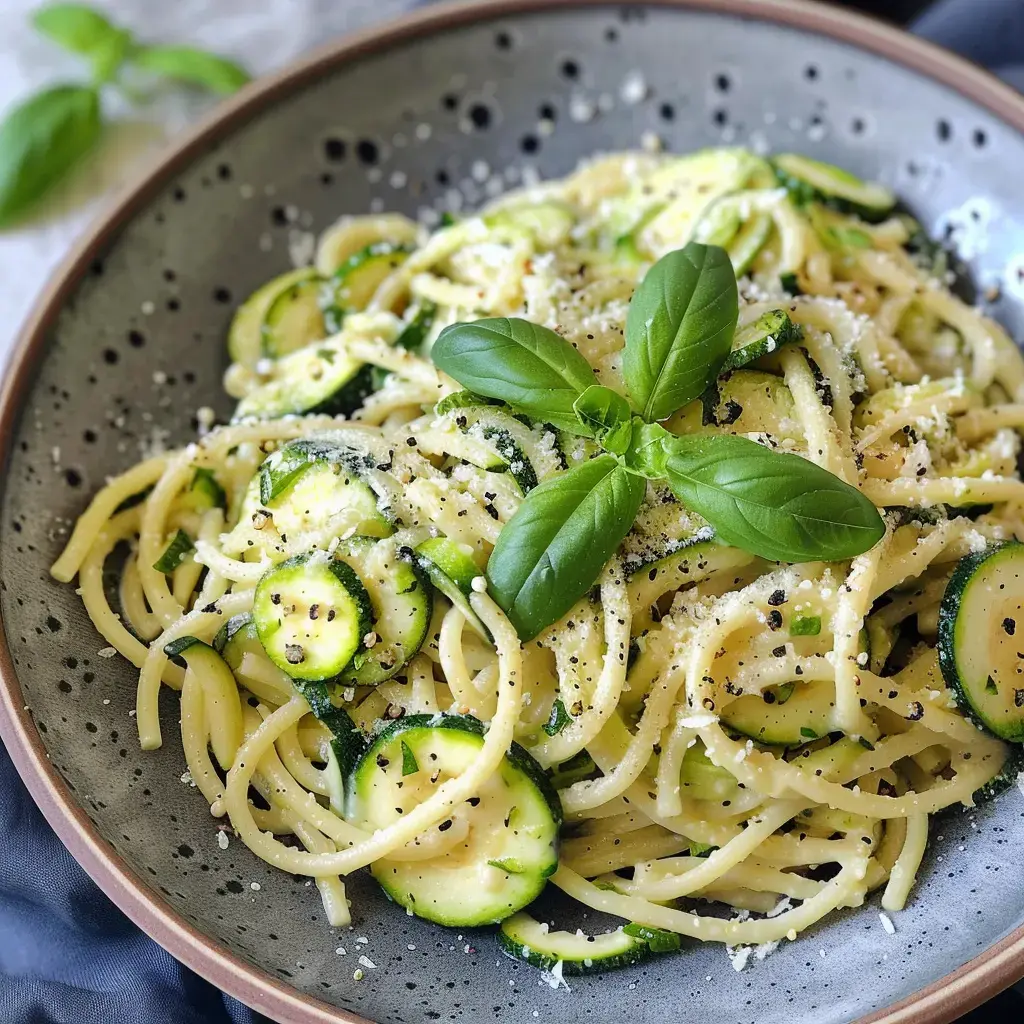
{"type": "Point", "coordinates": [529, 367]}
{"type": "Point", "coordinates": [551, 551]}
{"type": "Point", "coordinates": [195, 67]}
{"type": "Point", "coordinates": [40, 140]}
{"type": "Point", "coordinates": [779, 506]}
{"type": "Point", "coordinates": [679, 328]}
{"type": "Point", "coordinates": [76, 27]}
{"type": "Point", "coordinates": [84, 31]}
{"type": "Point", "coordinates": [650, 445]}
{"type": "Point", "coordinates": [601, 410]}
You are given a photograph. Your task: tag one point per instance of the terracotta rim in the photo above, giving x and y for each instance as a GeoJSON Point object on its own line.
{"type": "Point", "coordinates": [944, 1000]}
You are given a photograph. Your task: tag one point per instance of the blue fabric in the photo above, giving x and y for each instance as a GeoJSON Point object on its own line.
{"type": "Point", "coordinates": [68, 956]}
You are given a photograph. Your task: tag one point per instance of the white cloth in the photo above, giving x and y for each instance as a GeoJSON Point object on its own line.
{"type": "Point", "coordinates": [260, 34]}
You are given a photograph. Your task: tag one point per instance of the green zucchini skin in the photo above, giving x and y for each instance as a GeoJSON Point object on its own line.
{"type": "Point", "coordinates": [504, 863]}
{"type": "Point", "coordinates": [523, 938]}
{"type": "Point", "coordinates": [986, 702]}
{"type": "Point", "coordinates": [311, 647]}
{"type": "Point", "coordinates": [809, 180]}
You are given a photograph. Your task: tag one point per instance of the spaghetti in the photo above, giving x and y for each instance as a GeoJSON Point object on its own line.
{"type": "Point", "coordinates": [715, 729]}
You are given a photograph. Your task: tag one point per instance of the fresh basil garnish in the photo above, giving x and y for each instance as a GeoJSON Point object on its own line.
{"type": "Point", "coordinates": [551, 551]}
{"type": "Point", "coordinates": [679, 328]}
{"type": "Point", "coordinates": [534, 370]}
{"type": "Point", "coordinates": [776, 505]}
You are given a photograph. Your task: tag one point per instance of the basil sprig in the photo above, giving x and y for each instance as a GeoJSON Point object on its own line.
{"type": "Point", "coordinates": [679, 332]}
{"type": "Point", "coordinates": [45, 136]}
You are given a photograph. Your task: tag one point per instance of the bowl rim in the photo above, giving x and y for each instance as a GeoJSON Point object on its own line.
{"type": "Point", "coordinates": [940, 1002]}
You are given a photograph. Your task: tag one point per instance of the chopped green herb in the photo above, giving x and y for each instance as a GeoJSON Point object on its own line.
{"type": "Point", "coordinates": [509, 865]}
{"type": "Point", "coordinates": [409, 763]}
{"type": "Point", "coordinates": [807, 625]}
{"type": "Point", "coordinates": [808, 734]}
{"type": "Point", "coordinates": [658, 939]}
{"type": "Point", "coordinates": [180, 545]}
{"type": "Point", "coordinates": [559, 719]}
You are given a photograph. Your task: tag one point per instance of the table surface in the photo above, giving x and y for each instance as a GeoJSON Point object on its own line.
{"type": "Point", "coordinates": [280, 31]}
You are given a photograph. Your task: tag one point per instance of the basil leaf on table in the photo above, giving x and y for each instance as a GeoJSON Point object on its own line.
{"type": "Point", "coordinates": [776, 505]}
{"type": "Point", "coordinates": [531, 368]}
{"type": "Point", "coordinates": [679, 328]}
{"type": "Point", "coordinates": [195, 67]}
{"type": "Point", "coordinates": [551, 551]}
{"type": "Point", "coordinates": [40, 140]}
{"type": "Point", "coordinates": [76, 27]}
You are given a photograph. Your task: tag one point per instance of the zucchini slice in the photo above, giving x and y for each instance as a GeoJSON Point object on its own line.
{"type": "Point", "coordinates": [299, 490]}
{"type": "Point", "coordinates": [220, 693]}
{"type": "Point", "coordinates": [511, 846]}
{"type": "Point", "coordinates": [418, 324]}
{"type": "Point", "coordinates": [769, 332]}
{"type": "Point", "coordinates": [452, 572]}
{"type": "Point", "coordinates": [701, 779]}
{"type": "Point", "coordinates": [743, 402]}
{"type": "Point", "coordinates": [812, 180]}
{"type": "Point", "coordinates": [786, 715]}
{"type": "Point", "coordinates": [311, 614]}
{"type": "Point", "coordinates": [402, 601]}
{"type": "Point", "coordinates": [522, 937]}
{"type": "Point", "coordinates": [358, 278]}
{"type": "Point", "coordinates": [981, 628]}
{"type": "Point", "coordinates": [245, 335]}
{"type": "Point", "coordinates": [320, 378]}
{"type": "Point", "coordinates": [496, 440]}
{"type": "Point", "coordinates": [742, 238]}
{"type": "Point", "coordinates": [294, 319]}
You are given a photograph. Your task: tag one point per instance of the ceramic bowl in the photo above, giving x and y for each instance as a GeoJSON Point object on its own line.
{"type": "Point", "coordinates": [439, 112]}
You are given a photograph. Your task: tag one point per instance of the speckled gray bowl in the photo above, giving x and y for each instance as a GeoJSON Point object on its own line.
{"type": "Point", "coordinates": [128, 342]}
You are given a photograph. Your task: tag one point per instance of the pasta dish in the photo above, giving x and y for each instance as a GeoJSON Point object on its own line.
{"type": "Point", "coordinates": [652, 533]}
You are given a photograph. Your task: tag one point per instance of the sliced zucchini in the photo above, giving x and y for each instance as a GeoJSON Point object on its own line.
{"type": "Point", "coordinates": [524, 938]}
{"type": "Point", "coordinates": [687, 187]}
{"type": "Point", "coordinates": [320, 378]}
{"type": "Point", "coordinates": [549, 224]}
{"type": "Point", "coordinates": [294, 319]}
{"type": "Point", "coordinates": [174, 554]}
{"type": "Point", "coordinates": [417, 327]}
{"type": "Point", "coordinates": [311, 613]}
{"type": "Point", "coordinates": [510, 848]}
{"type": "Point", "coordinates": [812, 180]}
{"type": "Point", "coordinates": [742, 238]}
{"type": "Point", "coordinates": [299, 490]}
{"type": "Point", "coordinates": [356, 281]}
{"type": "Point", "coordinates": [981, 628]}
{"type": "Point", "coordinates": [452, 571]}
{"type": "Point", "coordinates": [496, 440]}
{"type": "Point", "coordinates": [701, 779]}
{"type": "Point", "coordinates": [402, 601]}
{"type": "Point", "coordinates": [205, 493]}
{"type": "Point", "coordinates": [220, 692]}
{"type": "Point", "coordinates": [743, 402]}
{"type": "Point", "coordinates": [245, 335]}
{"type": "Point", "coordinates": [765, 335]}
{"type": "Point", "coordinates": [786, 715]}
{"type": "Point", "coordinates": [1006, 778]}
